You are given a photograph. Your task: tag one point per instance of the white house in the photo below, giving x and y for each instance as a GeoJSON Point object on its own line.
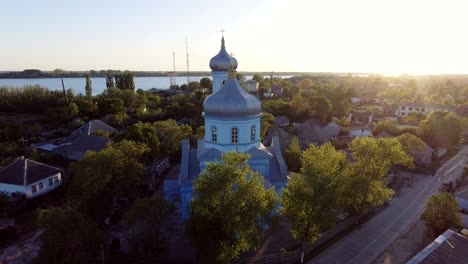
{"type": "Point", "coordinates": [407, 108]}
{"type": "Point", "coordinates": [29, 177]}
{"type": "Point", "coordinates": [251, 85]}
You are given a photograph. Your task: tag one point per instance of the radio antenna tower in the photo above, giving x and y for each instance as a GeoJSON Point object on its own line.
{"type": "Point", "coordinates": [173, 78]}
{"type": "Point", "coordinates": [188, 68]}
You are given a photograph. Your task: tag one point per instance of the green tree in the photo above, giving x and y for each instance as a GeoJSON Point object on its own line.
{"type": "Point", "coordinates": [258, 78]}
{"type": "Point", "coordinates": [230, 209]}
{"type": "Point", "coordinates": [312, 198]}
{"type": "Point", "coordinates": [100, 176]}
{"type": "Point", "coordinates": [388, 126]}
{"type": "Point", "coordinates": [88, 87]}
{"type": "Point", "coordinates": [206, 83]}
{"type": "Point", "coordinates": [149, 226]}
{"type": "Point", "coordinates": [266, 122]}
{"type": "Point", "coordinates": [441, 212]}
{"type": "Point", "coordinates": [343, 122]}
{"type": "Point", "coordinates": [367, 184]}
{"type": "Point", "coordinates": [87, 108]}
{"type": "Point", "coordinates": [101, 133]}
{"type": "Point", "coordinates": [299, 109]}
{"type": "Point", "coordinates": [110, 106]}
{"type": "Point", "coordinates": [410, 143]}
{"type": "Point", "coordinates": [200, 132]}
{"type": "Point", "coordinates": [306, 83]}
{"type": "Point", "coordinates": [435, 130]}
{"type": "Point", "coordinates": [73, 109]}
{"type": "Point", "coordinates": [322, 107]}
{"type": "Point", "coordinates": [341, 101]}
{"type": "Point", "coordinates": [292, 155]}
{"type": "Point", "coordinates": [69, 237]}
{"type": "Point", "coordinates": [240, 77]}
{"type": "Point", "coordinates": [143, 133]}
{"type": "Point", "coordinates": [125, 81]}
{"type": "Point", "coordinates": [194, 86]}
{"type": "Point", "coordinates": [276, 107]}
{"type": "Point", "coordinates": [109, 81]}
{"type": "Point", "coordinates": [118, 119]}
{"type": "Point", "coordinates": [170, 135]}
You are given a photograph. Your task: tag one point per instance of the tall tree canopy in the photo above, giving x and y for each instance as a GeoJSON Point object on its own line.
{"type": "Point", "coordinates": [143, 133]}
{"type": "Point", "coordinates": [88, 87]}
{"type": "Point", "coordinates": [170, 135]}
{"type": "Point", "coordinates": [69, 237]}
{"type": "Point", "coordinates": [149, 226]}
{"type": "Point", "coordinates": [442, 129]}
{"type": "Point", "coordinates": [292, 155]}
{"type": "Point", "coordinates": [441, 212]}
{"type": "Point", "coordinates": [312, 198]}
{"type": "Point", "coordinates": [373, 158]}
{"type": "Point", "coordinates": [101, 176]}
{"type": "Point", "coordinates": [230, 209]}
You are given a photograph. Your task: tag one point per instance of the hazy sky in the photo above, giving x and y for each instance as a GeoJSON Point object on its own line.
{"type": "Point", "coordinates": [393, 36]}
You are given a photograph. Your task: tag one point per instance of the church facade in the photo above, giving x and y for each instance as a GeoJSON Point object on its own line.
{"type": "Point", "coordinates": [232, 123]}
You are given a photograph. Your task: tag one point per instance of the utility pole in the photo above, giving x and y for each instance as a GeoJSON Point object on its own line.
{"type": "Point", "coordinates": [188, 68]}
{"type": "Point", "coordinates": [173, 80]}
{"type": "Point", "coordinates": [64, 93]}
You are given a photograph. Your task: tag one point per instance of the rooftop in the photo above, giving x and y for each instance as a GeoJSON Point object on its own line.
{"type": "Point", "coordinates": [23, 172]}
{"type": "Point", "coordinates": [450, 247]}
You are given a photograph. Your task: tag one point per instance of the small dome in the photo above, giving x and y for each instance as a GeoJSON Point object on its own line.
{"type": "Point", "coordinates": [232, 100]}
{"type": "Point", "coordinates": [223, 61]}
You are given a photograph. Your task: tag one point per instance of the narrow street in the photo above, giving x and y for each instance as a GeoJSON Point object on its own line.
{"type": "Point", "coordinates": [365, 244]}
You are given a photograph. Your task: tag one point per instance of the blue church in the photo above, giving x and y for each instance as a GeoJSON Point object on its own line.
{"type": "Point", "coordinates": [232, 123]}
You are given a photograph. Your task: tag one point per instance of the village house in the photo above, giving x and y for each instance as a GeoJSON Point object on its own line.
{"type": "Point", "coordinates": [360, 131]}
{"type": "Point", "coordinates": [449, 247]}
{"type": "Point", "coordinates": [30, 178]}
{"type": "Point", "coordinates": [277, 90]}
{"type": "Point", "coordinates": [312, 132]}
{"type": "Point", "coordinates": [85, 138]}
{"type": "Point", "coordinates": [423, 158]}
{"type": "Point", "coordinates": [407, 108]}
{"type": "Point", "coordinates": [281, 121]}
{"type": "Point", "coordinates": [251, 86]}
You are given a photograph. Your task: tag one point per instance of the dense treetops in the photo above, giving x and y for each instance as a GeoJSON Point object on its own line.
{"type": "Point", "coordinates": [230, 209]}
{"type": "Point", "coordinates": [441, 212]}
{"type": "Point", "coordinates": [328, 184]}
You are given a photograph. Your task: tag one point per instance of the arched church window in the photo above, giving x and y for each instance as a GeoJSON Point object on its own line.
{"type": "Point", "coordinates": [252, 133]}
{"type": "Point", "coordinates": [234, 135]}
{"type": "Point", "coordinates": [214, 134]}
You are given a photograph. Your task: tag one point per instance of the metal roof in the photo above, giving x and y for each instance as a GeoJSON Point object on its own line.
{"type": "Point", "coordinates": [23, 172]}
{"type": "Point", "coordinates": [223, 61]}
{"type": "Point", "coordinates": [232, 101]}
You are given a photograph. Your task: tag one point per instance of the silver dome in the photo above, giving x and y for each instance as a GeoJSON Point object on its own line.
{"type": "Point", "coordinates": [232, 101]}
{"type": "Point", "coordinates": [223, 61]}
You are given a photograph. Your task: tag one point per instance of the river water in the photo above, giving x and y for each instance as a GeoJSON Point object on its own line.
{"type": "Point", "coordinates": [98, 84]}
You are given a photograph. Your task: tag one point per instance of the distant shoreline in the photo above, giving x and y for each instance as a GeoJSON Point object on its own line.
{"type": "Point", "coordinates": [58, 74]}
{"type": "Point", "coordinates": [38, 74]}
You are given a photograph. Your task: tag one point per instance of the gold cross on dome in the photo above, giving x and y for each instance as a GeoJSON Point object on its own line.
{"type": "Point", "coordinates": [222, 32]}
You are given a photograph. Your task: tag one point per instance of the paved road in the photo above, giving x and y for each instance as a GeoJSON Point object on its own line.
{"type": "Point", "coordinates": [365, 244]}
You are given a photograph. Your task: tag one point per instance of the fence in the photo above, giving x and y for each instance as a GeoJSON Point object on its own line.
{"type": "Point", "coordinates": [282, 258]}
{"type": "Point", "coordinates": [295, 255]}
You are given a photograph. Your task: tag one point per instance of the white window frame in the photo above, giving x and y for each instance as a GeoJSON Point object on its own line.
{"type": "Point", "coordinates": [253, 132]}
{"type": "Point", "coordinates": [214, 134]}
{"type": "Point", "coordinates": [234, 135]}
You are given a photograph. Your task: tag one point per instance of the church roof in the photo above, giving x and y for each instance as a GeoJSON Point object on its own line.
{"type": "Point", "coordinates": [223, 61]}
{"type": "Point", "coordinates": [232, 101]}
